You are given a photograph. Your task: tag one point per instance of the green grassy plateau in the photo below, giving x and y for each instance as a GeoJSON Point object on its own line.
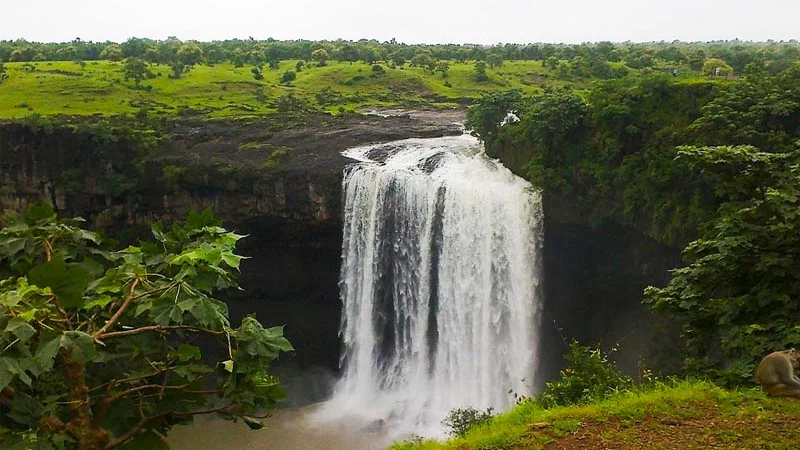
{"type": "Point", "coordinates": [99, 88]}
{"type": "Point", "coordinates": [683, 415]}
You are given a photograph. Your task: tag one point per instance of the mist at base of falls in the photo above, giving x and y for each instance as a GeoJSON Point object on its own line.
{"type": "Point", "coordinates": [440, 285]}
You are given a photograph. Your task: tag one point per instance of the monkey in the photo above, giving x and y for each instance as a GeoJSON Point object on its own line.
{"type": "Point", "coordinates": [776, 373]}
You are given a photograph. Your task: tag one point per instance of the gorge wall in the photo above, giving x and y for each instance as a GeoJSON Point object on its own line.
{"type": "Point", "coordinates": [282, 187]}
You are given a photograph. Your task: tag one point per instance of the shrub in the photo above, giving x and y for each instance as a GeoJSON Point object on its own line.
{"type": "Point", "coordinates": [257, 73]}
{"type": "Point", "coordinates": [460, 420]}
{"type": "Point", "coordinates": [288, 77]}
{"type": "Point", "coordinates": [590, 376]}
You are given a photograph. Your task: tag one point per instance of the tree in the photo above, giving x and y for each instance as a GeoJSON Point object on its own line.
{"type": "Point", "coordinates": [185, 58]}
{"type": "Point", "coordinates": [299, 66]}
{"type": "Point", "coordinates": [737, 297]}
{"type": "Point", "coordinates": [484, 118]}
{"type": "Point", "coordinates": [494, 60]}
{"type": "Point", "coordinates": [760, 110]}
{"type": "Point", "coordinates": [288, 77]}
{"type": "Point", "coordinates": [112, 52]}
{"type": "Point", "coordinates": [102, 348]}
{"type": "Point", "coordinates": [321, 56]}
{"type": "Point", "coordinates": [398, 59]}
{"type": "Point", "coordinates": [258, 73]}
{"type": "Point", "coordinates": [551, 62]}
{"type": "Point", "coordinates": [443, 67]}
{"type": "Point", "coordinates": [423, 59]}
{"type": "Point", "coordinates": [136, 69]}
{"type": "Point", "coordinates": [480, 71]}
{"type": "Point", "coordinates": [347, 52]}
{"type": "Point", "coordinates": [3, 72]}
{"type": "Point", "coordinates": [716, 67]}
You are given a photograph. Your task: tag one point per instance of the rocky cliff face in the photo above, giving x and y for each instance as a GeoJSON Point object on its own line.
{"type": "Point", "coordinates": [282, 187]}
{"type": "Point", "coordinates": [241, 169]}
{"type": "Point", "coordinates": [278, 183]}
{"type": "Point", "coordinates": [595, 275]}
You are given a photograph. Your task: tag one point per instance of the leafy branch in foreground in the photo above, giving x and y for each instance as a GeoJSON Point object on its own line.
{"type": "Point", "coordinates": [103, 348]}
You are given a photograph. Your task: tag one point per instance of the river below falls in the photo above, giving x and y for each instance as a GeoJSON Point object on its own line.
{"type": "Point", "coordinates": [291, 429]}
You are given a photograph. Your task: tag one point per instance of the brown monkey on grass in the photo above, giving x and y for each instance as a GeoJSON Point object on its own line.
{"type": "Point", "coordinates": [776, 373]}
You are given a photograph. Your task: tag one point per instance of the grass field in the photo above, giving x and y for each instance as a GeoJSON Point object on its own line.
{"type": "Point", "coordinates": [682, 415]}
{"type": "Point", "coordinates": [99, 88]}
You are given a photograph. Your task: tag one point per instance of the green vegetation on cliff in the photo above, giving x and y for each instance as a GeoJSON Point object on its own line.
{"type": "Point", "coordinates": [709, 165]}
{"type": "Point", "coordinates": [686, 415]}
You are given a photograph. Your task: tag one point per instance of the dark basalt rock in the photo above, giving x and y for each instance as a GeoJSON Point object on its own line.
{"type": "Point", "coordinates": [291, 209]}
{"type": "Point", "coordinates": [289, 206]}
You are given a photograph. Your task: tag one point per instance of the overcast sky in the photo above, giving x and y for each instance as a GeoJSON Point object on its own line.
{"type": "Point", "coordinates": [410, 21]}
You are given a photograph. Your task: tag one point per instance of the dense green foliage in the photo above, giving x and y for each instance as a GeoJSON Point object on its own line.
{"type": "Point", "coordinates": [613, 150]}
{"type": "Point", "coordinates": [738, 296]}
{"type": "Point", "coordinates": [609, 152]}
{"type": "Point", "coordinates": [590, 376]}
{"type": "Point", "coordinates": [104, 348]}
{"type": "Point", "coordinates": [679, 161]}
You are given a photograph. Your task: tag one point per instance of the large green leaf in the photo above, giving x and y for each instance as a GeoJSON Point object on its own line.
{"type": "Point", "coordinates": [25, 410]}
{"type": "Point", "coordinates": [11, 368]}
{"type": "Point", "coordinates": [10, 246]}
{"type": "Point", "coordinates": [186, 352]}
{"type": "Point", "coordinates": [46, 354]}
{"type": "Point", "coordinates": [41, 212]}
{"type": "Point", "coordinates": [21, 329]}
{"type": "Point", "coordinates": [68, 281]}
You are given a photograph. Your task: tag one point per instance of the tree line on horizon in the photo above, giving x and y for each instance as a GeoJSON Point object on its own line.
{"type": "Point", "coordinates": [240, 52]}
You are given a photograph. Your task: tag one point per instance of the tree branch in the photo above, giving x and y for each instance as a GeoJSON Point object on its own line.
{"type": "Point", "coordinates": [202, 411]}
{"type": "Point", "coordinates": [155, 328]}
{"type": "Point", "coordinates": [63, 312]}
{"type": "Point", "coordinates": [145, 420]}
{"type": "Point", "coordinates": [144, 387]}
{"type": "Point", "coordinates": [132, 432]}
{"type": "Point", "coordinates": [128, 300]}
{"type": "Point", "coordinates": [166, 374]}
{"type": "Point", "coordinates": [126, 380]}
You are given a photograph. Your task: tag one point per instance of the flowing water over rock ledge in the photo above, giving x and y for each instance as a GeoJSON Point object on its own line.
{"type": "Point", "coordinates": [440, 284]}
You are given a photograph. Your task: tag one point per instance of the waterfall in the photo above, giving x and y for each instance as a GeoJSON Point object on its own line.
{"type": "Point", "coordinates": [440, 283]}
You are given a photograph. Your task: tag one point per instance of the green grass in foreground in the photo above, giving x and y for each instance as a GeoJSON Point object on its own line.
{"type": "Point", "coordinates": [681, 415]}
{"type": "Point", "coordinates": [98, 87]}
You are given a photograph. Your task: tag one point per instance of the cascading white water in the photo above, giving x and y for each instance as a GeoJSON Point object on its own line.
{"type": "Point", "coordinates": [440, 276]}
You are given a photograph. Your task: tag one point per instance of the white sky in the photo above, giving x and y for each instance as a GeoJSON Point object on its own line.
{"type": "Point", "coordinates": [410, 21]}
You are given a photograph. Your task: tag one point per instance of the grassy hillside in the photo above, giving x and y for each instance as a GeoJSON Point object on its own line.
{"type": "Point", "coordinates": [684, 415]}
{"type": "Point", "coordinates": [99, 87]}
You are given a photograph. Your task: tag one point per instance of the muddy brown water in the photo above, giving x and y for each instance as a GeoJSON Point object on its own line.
{"type": "Point", "coordinates": [295, 429]}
